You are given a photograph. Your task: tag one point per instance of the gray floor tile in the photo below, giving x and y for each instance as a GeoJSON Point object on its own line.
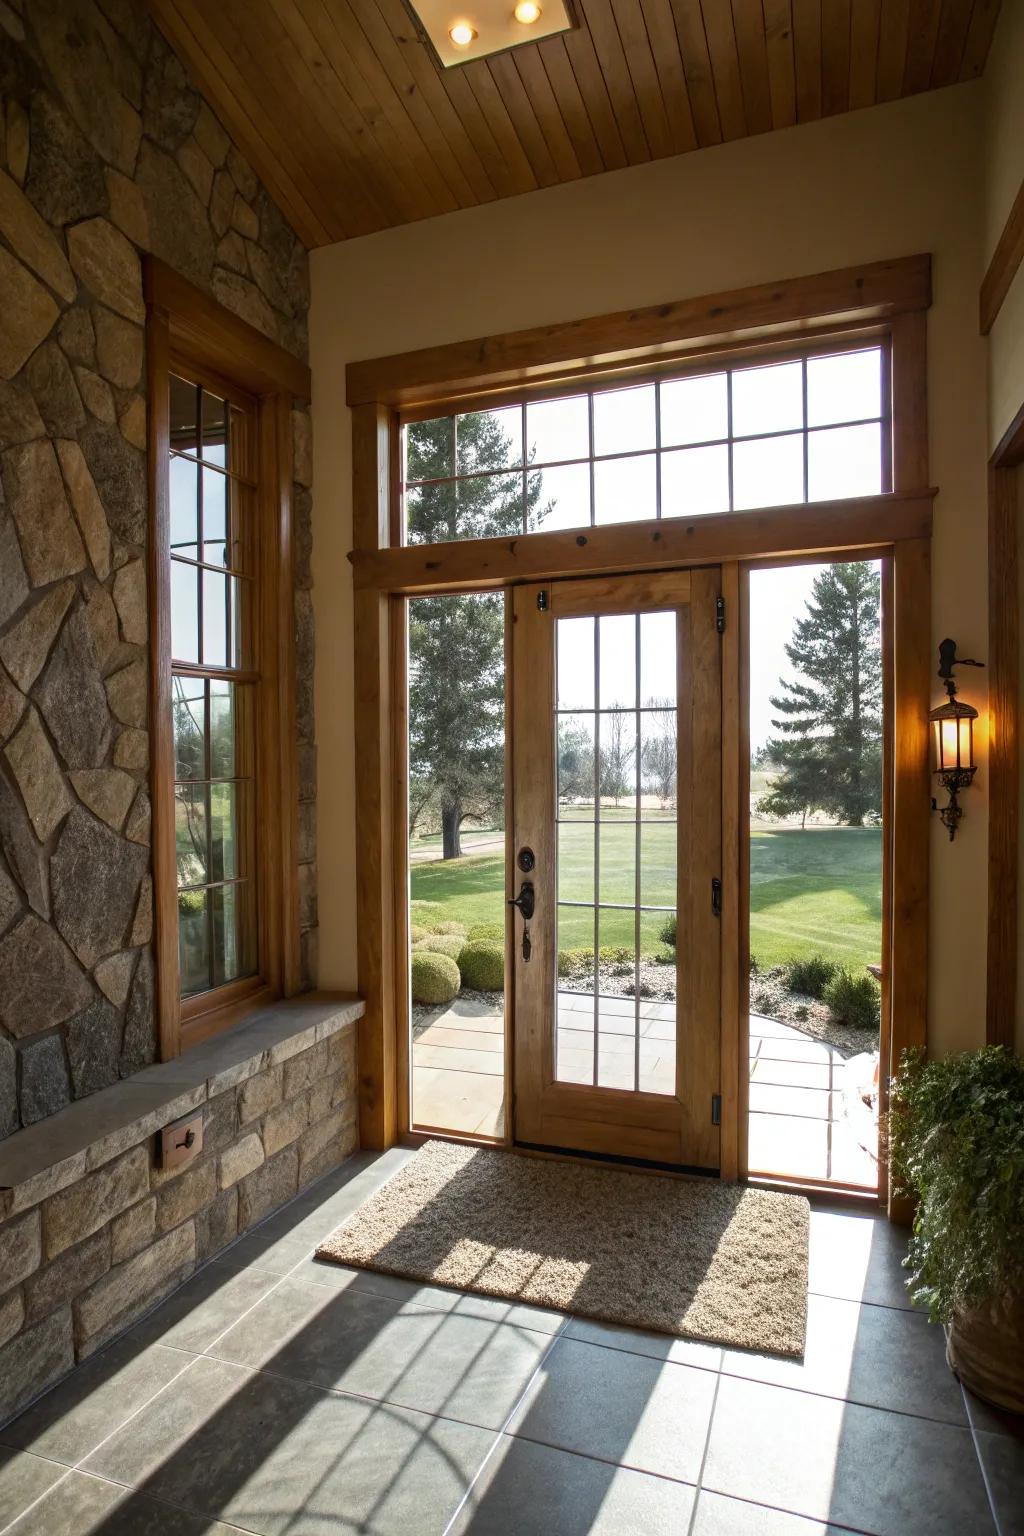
{"type": "Point", "coordinates": [638, 1341]}
{"type": "Point", "coordinates": [22, 1480]}
{"type": "Point", "coordinates": [95, 1399]}
{"type": "Point", "coordinates": [995, 1421]}
{"type": "Point", "coordinates": [87, 1506]}
{"type": "Point", "coordinates": [278, 1456]}
{"type": "Point", "coordinates": [340, 1277]}
{"type": "Point", "coordinates": [315, 1213]}
{"type": "Point", "coordinates": [535, 1490]}
{"type": "Point", "coordinates": [1002, 1457]}
{"type": "Point", "coordinates": [720, 1516]}
{"type": "Point", "coordinates": [516, 1314]}
{"type": "Point", "coordinates": [265, 1252]}
{"type": "Point", "coordinates": [858, 1258]}
{"type": "Point", "coordinates": [885, 1357]}
{"type": "Point", "coordinates": [884, 1473]}
{"type": "Point", "coordinates": [203, 1308]}
{"type": "Point", "coordinates": [438, 1362]}
{"type": "Point", "coordinates": [619, 1407]}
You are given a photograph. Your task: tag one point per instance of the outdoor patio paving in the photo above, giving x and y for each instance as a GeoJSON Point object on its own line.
{"type": "Point", "coordinates": [797, 1124]}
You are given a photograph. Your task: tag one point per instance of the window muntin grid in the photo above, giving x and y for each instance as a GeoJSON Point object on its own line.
{"type": "Point", "coordinates": [763, 434]}
{"type": "Point", "coordinates": [211, 538]}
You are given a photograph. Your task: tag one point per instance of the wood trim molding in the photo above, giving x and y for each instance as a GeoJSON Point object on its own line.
{"type": "Point", "coordinates": [618, 548]}
{"type": "Point", "coordinates": [1003, 268]}
{"type": "Point", "coordinates": [214, 337]}
{"type": "Point", "coordinates": [1004, 737]}
{"type": "Point", "coordinates": [874, 290]}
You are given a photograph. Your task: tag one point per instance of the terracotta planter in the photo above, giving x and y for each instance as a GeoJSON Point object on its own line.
{"type": "Point", "coordinates": [985, 1348]}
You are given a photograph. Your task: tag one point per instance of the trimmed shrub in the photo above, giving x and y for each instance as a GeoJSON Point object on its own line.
{"type": "Point", "coordinates": [449, 928]}
{"type": "Point", "coordinates": [811, 975]}
{"type": "Point", "coordinates": [435, 978]}
{"type": "Point", "coordinates": [854, 1000]}
{"type": "Point", "coordinates": [441, 944]}
{"type": "Point", "coordinates": [488, 931]}
{"type": "Point", "coordinates": [482, 965]}
{"type": "Point", "coordinates": [573, 962]}
{"type": "Point", "coordinates": [417, 933]}
{"type": "Point", "coordinates": [667, 931]}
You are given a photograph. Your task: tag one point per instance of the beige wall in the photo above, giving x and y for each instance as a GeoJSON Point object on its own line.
{"type": "Point", "coordinates": [1004, 172]}
{"type": "Point", "coordinates": [889, 182]}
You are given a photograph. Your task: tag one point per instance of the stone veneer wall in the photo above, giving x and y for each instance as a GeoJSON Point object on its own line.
{"type": "Point", "coordinates": [105, 151]}
{"type": "Point", "coordinates": [81, 1264]}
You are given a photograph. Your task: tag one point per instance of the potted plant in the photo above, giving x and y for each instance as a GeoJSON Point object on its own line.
{"type": "Point", "coordinates": [956, 1137]}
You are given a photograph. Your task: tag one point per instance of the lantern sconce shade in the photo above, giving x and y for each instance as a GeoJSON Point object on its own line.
{"type": "Point", "coordinates": [953, 731]}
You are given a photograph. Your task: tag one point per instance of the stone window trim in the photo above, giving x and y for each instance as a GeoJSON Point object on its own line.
{"type": "Point", "coordinates": [188, 332]}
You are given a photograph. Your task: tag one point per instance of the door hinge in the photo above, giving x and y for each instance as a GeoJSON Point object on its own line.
{"type": "Point", "coordinates": [716, 896]}
{"type": "Point", "coordinates": [542, 602]}
{"type": "Point", "coordinates": [716, 1109]}
{"type": "Point", "coordinates": [720, 614]}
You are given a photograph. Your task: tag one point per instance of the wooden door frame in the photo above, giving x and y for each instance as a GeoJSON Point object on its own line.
{"type": "Point", "coordinates": [890, 297]}
{"type": "Point", "coordinates": [1004, 734]}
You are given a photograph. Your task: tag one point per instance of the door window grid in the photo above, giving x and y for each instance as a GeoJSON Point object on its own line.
{"type": "Point", "coordinates": [449, 493]}
{"type": "Point", "coordinates": [638, 907]}
{"type": "Point", "coordinates": [211, 680]}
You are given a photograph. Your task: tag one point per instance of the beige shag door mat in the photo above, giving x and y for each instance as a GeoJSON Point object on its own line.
{"type": "Point", "coordinates": [696, 1258]}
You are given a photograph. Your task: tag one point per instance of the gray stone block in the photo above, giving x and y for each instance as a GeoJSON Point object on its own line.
{"type": "Point", "coordinates": [45, 1084]}
{"type": "Point", "coordinates": [80, 1210]}
{"type": "Point", "coordinates": [125, 1293]}
{"type": "Point", "coordinates": [35, 1360]}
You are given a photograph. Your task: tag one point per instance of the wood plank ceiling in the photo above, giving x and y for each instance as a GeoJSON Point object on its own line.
{"type": "Point", "coordinates": [342, 109]}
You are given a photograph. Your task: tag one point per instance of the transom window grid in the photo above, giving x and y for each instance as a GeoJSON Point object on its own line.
{"type": "Point", "coordinates": [213, 683]}
{"type": "Point", "coordinates": [662, 478]}
{"type": "Point", "coordinates": [653, 720]}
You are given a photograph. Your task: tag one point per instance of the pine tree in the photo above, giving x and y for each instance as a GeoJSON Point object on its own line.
{"type": "Point", "coordinates": [456, 644]}
{"type": "Point", "coordinates": [829, 752]}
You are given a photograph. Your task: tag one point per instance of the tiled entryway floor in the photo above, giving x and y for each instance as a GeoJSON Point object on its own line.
{"type": "Point", "coordinates": [278, 1395]}
{"type": "Point", "coordinates": [797, 1125]}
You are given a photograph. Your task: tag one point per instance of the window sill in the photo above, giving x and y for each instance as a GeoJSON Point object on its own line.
{"type": "Point", "coordinates": [44, 1158]}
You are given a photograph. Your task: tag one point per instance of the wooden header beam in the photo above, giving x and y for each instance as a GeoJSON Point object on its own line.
{"type": "Point", "coordinates": [875, 290]}
{"type": "Point", "coordinates": [618, 548]}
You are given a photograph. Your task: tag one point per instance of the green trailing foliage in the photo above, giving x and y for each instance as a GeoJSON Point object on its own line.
{"type": "Point", "coordinates": [482, 964]}
{"type": "Point", "coordinates": [810, 975]}
{"type": "Point", "coordinates": [956, 1141]}
{"type": "Point", "coordinates": [449, 944]}
{"type": "Point", "coordinates": [435, 978]}
{"type": "Point", "coordinates": [853, 1000]}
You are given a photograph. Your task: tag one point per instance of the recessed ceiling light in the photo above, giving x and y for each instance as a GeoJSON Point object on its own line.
{"type": "Point", "coordinates": [462, 34]}
{"type": "Point", "coordinates": [491, 26]}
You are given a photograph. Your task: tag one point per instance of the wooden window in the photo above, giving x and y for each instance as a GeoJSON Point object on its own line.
{"type": "Point", "coordinates": [222, 667]}
{"type": "Point", "coordinates": [807, 428]}
{"type": "Point", "coordinates": [214, 683]}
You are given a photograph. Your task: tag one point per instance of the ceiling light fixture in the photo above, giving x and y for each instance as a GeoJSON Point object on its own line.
{"type": "Point", "coordinates": [487, 26]}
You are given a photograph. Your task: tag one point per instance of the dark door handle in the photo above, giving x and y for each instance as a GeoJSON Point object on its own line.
{"type": "Point", "coordinates": [524, 901]}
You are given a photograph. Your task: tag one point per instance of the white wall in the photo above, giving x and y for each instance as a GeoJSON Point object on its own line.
{"type": "Point", "coordinates": [892, 181]}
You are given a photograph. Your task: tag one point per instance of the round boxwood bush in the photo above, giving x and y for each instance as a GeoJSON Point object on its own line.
{"type": "Point", "coordinates": [482, 964]}
{"type": "Point", "coordinates": [487, 931]}
{"type": "Point", "coordinates": [442, 944]}
{"type": "Point", "coordinates": [417, 933]}
{"type": "Point", "coordinates": [457, 929]}
{"type": "Point", "coordinates": [435, 978]}
{"type": "Point", "coordinates": [854, 1000]}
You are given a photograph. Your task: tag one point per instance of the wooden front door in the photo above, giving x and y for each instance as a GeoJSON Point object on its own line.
{"type": "Point", "coordinates": [617, 806]}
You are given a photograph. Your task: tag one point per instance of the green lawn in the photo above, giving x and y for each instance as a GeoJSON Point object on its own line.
{"type": "Point", "coordinates": [814, 891]}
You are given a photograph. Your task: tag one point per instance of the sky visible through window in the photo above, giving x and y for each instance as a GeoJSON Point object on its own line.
{"type": "Point", "coordinates": [774, 434]}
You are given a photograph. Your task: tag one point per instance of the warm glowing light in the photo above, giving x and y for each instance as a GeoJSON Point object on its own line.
{"type": "Point", "coordinates": [527, 11]}
{"type": "Point", "coordinates": [953, 743]}
{"type": "Point", "coordinates": [462, 34]}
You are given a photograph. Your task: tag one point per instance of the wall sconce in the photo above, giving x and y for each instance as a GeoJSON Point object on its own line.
{"type": "Point", "coordinates": [953, 727]}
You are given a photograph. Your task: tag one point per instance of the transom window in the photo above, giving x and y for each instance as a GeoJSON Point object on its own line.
{"type": "Point", "coordinates": [759, 435]}
{"type": "Point", "coordinates": [213, 684]}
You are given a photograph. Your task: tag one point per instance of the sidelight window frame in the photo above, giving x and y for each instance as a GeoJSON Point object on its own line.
{"type": "Point", "coordinates": [190, 336]}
